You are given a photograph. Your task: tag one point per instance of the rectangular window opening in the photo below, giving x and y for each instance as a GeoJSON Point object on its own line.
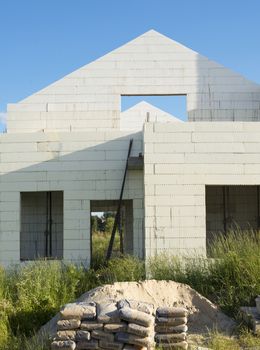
{"type": "Point", "coordinates": [41, 233]}
{"type": "Point", "coordinates": [174, 106]}
{"type": "Point", "coordinates": [103, 214]}
{"type": "Point", "coordinates": [231, 207]}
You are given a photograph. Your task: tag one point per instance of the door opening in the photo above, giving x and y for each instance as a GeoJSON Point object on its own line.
{"type": "Point", "coordinates": [102, 221]}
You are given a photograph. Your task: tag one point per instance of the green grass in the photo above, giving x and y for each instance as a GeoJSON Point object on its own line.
{"type": "Point", "coordinates": [230, 279]}
{"type": "Point", "coordinates": [21, 342]}
{"type": "Point", "coordinates": [245, 339]}
{"type": "Point", "coordinates": [31, 294]}
{"type": "Point", "coordinates": [100, 242]}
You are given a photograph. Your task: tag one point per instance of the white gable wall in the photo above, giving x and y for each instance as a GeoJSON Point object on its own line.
{"type": "Point", "coordinates": [135, 117]}
{"type": "Point", "coordinates": [152, 64]}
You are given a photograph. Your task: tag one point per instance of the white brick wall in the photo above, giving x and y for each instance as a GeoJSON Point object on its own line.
{"type": "Point", "coordinates": [177, 170]}
{"type": "Point", "coordinates": [86, 166]}
{"type": "Point", "coordinates": [152, 64]}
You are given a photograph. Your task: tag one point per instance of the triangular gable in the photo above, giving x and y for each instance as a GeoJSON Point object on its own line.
{"type": "Point", "coordinates": [134, 117]}
{"type": "Point", "coordinates": [151, 64]}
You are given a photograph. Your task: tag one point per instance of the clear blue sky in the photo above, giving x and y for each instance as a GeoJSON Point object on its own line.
{"type": "Point", "coordinates": [43, 40]}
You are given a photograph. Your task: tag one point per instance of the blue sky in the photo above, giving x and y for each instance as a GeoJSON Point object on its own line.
{"type": "Point", "coordinates": [43, 40]}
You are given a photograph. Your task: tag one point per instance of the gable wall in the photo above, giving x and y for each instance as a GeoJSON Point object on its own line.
{"type": "Point", "coordinates": [89, 98]}
{"type": "Point", "coordinates": [135, 117]}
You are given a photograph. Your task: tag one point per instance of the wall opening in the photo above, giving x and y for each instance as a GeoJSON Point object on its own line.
{"type": "Point", "coordinates": [41, 234]}
{"type": "Point", "coordinates": [176, 105]}
{"type": "Point", "coordinates": [231, 207]}
{"type": "Point", "coordinates": [102, 220]}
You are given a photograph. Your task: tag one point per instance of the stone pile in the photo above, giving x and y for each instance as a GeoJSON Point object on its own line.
{"type": "Point", "coordinates": [123, 325]}
{"type": "Point", "coordinates": [171, 328]}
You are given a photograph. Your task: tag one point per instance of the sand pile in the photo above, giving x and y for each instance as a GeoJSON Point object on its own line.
{"type": "Point", "coordinates": [203, 315]}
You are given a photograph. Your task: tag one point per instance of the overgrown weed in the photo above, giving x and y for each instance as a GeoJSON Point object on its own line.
{"type": "Point", "coordinates": [31, 294]}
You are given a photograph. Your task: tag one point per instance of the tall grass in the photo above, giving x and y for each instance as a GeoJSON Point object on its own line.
{"type": "Point", "coordinates": [244, 340]}
{"type": "Point", "coordinates": [31, 294]}
{"type": "Point", "coordinates": [37, 290]}
{"type": "Point", "coordinates": [230, 279]}
{"type": "Point", "coordinates": [21, 342]}
{"type": "Point", "coordinates": [100, 242]}
{"type": "Point", "coordinates": [235, 276]}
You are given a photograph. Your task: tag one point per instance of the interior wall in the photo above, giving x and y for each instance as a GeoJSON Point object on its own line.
{"type": "Point", "coordinates": [34, 225]}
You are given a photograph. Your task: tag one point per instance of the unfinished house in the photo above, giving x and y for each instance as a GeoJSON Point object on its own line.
{"type": "Point", "coordinates": [65, 150]}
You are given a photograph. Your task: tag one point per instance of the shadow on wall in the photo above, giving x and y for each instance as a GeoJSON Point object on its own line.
{"type": "Point", "coordinates": [94, 171]}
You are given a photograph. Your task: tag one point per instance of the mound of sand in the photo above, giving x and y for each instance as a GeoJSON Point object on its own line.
{"type": "Point", "coordinates": [203, 315]}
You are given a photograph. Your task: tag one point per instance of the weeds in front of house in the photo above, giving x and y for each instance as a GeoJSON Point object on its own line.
{"type": "Point", "coordinates": [100, 242]}
{"type": "Point", "coordinates": [231, 278]}
{"type": "Point", "coordinates": [31, 294]}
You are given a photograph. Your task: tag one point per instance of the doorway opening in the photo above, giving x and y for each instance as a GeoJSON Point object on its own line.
{"type": "Point", "coordinates": [102, 220]}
